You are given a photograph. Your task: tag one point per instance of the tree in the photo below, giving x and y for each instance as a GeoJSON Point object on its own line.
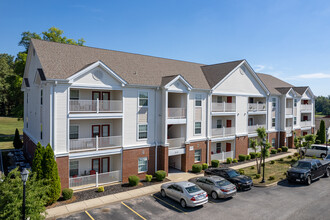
{"type": "Point", "coordinates": [322, 105]}
{"type": "Point", "coordinates": [54, 34]}
{"type": "Point", "coordinates": [264, 151]}
{"type": "Point", "coordinates": [50, 173]}
{"type": "Point", "coordinates": [17, 140]}
{"type": "Point", "coordinates": [308, 140]}
{"type": "Point", "coordinates": [11, 196]}
{"type": "Point", "coordinates": [254, 146]}
{"type": "Point", "coordinates": [37, 164]}
{"type": "Point", "coordinates": [321, 132]}
{"type": "Point", "coordinates": [297, 141]}
{"type": "Point", "coordinates": [6, 70]}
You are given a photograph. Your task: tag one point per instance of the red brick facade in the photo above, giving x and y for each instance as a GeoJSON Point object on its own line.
{"type": "Point", "coordinates": [63, 170]}
{"type": "Point", "coordinates": [162, 158]}
{"type": "Point", "coordinates": [297, 132]}
{"type": "Point", "coordinates": [274, 135]}
{"type": "Point", "coordinates": [188, 159]}
{"type": "Point", "coordinates": [282, 138]}
{"type": "Point", "coordinates": [290, 143]}
{"type": "Point", "coordinates": [312, 130]}
{"type": "Point", "coordinates": [242, 144]}
{"type": "Point", "coordinates": [29, 148]}
{"type": "Point", "coordinates": [130, 162]}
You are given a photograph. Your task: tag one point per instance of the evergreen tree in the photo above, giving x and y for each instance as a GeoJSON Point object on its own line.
{"type": "Point", "coordinates": [17, 140]}
{"type": "Point", "coordinates": [50, 173]}
{"type": "Point", "coordinates": [38, 161]}
{"type": "Point", "coordinates": [321, 135]}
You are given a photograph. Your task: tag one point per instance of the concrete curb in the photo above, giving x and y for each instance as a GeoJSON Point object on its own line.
{"type": "Point", "coordinates": [267, 185]}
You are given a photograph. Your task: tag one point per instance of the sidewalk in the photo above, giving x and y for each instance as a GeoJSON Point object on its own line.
{"type": "Point", "coordinates": [69, 209]}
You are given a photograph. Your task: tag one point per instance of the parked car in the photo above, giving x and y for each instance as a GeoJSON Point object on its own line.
{"type": "Point", "coordinates": [317, 150]}
{"type": "Point", "coordinates": [187, 193]}
{"type": "Point", "coordinates": [307, 170]}
{"type": "Point", "coordinates": [215, 186]}
{"type": "Point", "coordinates": [327, 158]}
{"type": "Point", "coordinates": [240, 181]}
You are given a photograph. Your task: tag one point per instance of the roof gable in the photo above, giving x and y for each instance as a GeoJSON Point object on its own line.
{"type": "Point", "coordinates": [178, 84]}
{"type": "Point", "coordinates": [272, 83]}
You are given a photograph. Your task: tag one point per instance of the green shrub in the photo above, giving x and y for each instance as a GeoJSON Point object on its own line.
{"type": "Point", "coordinates": [235, 161]}
{"type": "Point", "coordinates": [314, 157]}
{"type": "Point", "coordinates": [257, 176]}
{"type": "Point", "coordinates": [273, 151]}
{"type": "Point", "coordinates": [242, 157]}
{"type": "Point", "coordinates": [196, 168]}
{"type": "Point", "coordinates": [253, 155]}
{"type": "Point", "coordinates": [267, 154]}
{"type": "Point", "coordinates": [293, 160]}
{"type": "Point", "coordinates": [252, 168]}
{"type": "Point", "coordinates": [160, 175]}
{"type": "Point", "coordinates": [248, 157]}
{"type": "Point", "coordinates": [281, 159]}
{"type": "Point", "coordinates": [271, 178]}
{"type": "Point", "coordinates": [100, 189]}
{"type": "Point", "coordinates": [272, 162]}
{"type": "Point", "coordinates": [148, 178]}
{"type": "Point", "coordinates": [133, 180]}
{"type": "Point", "coordinates": [215, 163]}
{"type": "Point", "coordinates": [17, 140]}
{"type": "Point", "coordinates": [205, 166]}
{"type": "Point", "coordinates": [296, 154]}
{"type": "Point", "coordinates": [241, 171]}
{"type": "Point", "coordinates": [317, 142]}
{"type": "Point", "coordinates": [229, 160]}
{"type": "Point", "coordinates": [279, 150]}
{"type": "Point", "coordinates": [67, 193]}
{"type": "Point", "coordinates": [258, 154]}
{"type": "Point", "coordinates": [289, 157]}
{"type": "Point", "coordinates": [285, 149]}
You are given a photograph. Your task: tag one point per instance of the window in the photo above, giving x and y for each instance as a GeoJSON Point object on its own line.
{"type": "Point", "coordinates": [218, 148]}
{"type": "Point", "coordinates": [219, 99]}
{"type": "Point", "coordinates": [198, 100]}
{"type": "Point", "coordinates": [74, 94]}
{"type": "Point", "coordinates": [74, 131]}
{"type": "Point", "coordinates": [143, 164]}
{"type": "Point", "coordinates": [274, 103]}
{"type": "Point", "coordinates": [273, 122]}
{"type": "Point", "coordinates": [250, 100]}
{"type": "Point", "coordinates": [198, 127]}
{"type": "Point", "coordinates": [41, 96]}
{"type": "Point", "coordinates": [295, 120]}
{"type": "Point", "coordinates": [143, 131]}
{"type": "Point", "coordinates": [198, 156]}
{"type": "Point", "coordinates": [295, 103]}
{"type": "Point", "coordinates": [41, 131]}
{"type": "Point", "coordinates": [143, 99]}
{"type": "Point", "coordinates": [219, 123]}
{"type": "Point", "coordinates": [74, 168]}
{"type": "Point", "coordinates": [273, 142]}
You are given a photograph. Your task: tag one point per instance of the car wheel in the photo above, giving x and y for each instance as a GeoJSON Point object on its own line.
{"type": "Point", "coordinates": [309, 180]}
{"type": "Point", "coordinates": [163, 193]}
{"type": "Point", "coordinates": [214, 195]}
{"type": "Point", "coordinates": [183, 203]}
{"type": "Point", "coordinates": [327, 173]}
{"type": "Point", "coordinates": [322, 156]}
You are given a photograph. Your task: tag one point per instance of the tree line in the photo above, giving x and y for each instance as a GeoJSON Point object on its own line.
{"type": "Point", "coordinates": [322, 105]}
{"type": "Point", "coordinates": [12, 70]}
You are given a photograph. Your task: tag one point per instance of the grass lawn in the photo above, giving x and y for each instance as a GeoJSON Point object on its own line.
{"type": "Point", "coordinates": [8, 127]}
{"type": "Point", "coordinates": [278, 170]}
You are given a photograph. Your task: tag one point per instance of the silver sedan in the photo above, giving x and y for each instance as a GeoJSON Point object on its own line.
{"type": "Point", "coordinates": [216, 186]}
{"type": "Point", "coordinates": [188, 194]}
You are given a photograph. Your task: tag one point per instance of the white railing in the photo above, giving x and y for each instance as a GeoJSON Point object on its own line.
{"type": "Point", "coordinates": [96, 106]}
{"type": "Point", "coordinates": [223, 107]}
{"type": "Point", "coordinates": [176, 113]}
{"type": "Point", "coordinates": [81, 182]}
{"type": "Point", "coordinates": [305, 123]}
{"type": "Point", "coordinates": [222, 156]}
{"type": "Point", "coordinates": [288, 111]}
{"type": "Point", "coordinates": [175, 142]}
{"type": "Point", "coordinates": [306, 107]}
{"type": "Point", "coordinates": [82, 144]}
{"type": "Point", "coordinates": [222, 132]}
{"type": "Point", "coordinates": [250, 150]}
{"type": "Point", "coordinates": [253, 128]}
{"type": "Point", "coordinates": [255, 107]}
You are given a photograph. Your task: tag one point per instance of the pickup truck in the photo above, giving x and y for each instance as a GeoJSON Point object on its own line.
{"type": "Point", "coordinates": [307, 170]}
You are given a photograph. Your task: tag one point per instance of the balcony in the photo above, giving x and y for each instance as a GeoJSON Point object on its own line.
{"type": "Point", "coordinates": [176, 142]}
{"type": "Point", "coordinates": [253, 128]}
{"type": "Point", "coordinates": [306, 107]}
{"type": "Point", "coordinates": [305, 123]}
{"type": "Point", "coordinates": [289, 111]}
{"type": "Point", "coordinates": [223, 132]}
{"type": "Point", "coordinates": [176, 113]}
{"type": "Point", "coordinates": [96, 106]}
{"type": "Point", "coordinates": [257, 107]}
{"type": "Point", "coordinates": [97, 143]}
{"type": "Point", "coordinates": [223, 107]}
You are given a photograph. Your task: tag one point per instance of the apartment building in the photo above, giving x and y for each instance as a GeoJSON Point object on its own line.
{"type": "Point", "coordinates": [110, 114]}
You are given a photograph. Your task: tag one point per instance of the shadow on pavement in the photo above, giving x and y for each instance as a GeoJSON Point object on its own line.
{"type": "Point", "coordinates": [285, 183]}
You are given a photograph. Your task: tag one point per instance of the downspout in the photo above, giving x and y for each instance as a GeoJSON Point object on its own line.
{"type": "Point", "coordinates": [279, 121]}
{"type": "Point", "coordinates": [155, 130]}
{"type": "Point", "coordinates": [207, 128]}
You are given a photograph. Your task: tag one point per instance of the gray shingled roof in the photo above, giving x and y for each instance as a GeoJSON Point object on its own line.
{"type": "Point", "coordinates": [273, 84]}
{"type": "Point", "coordinates": [283, 90]}
{"type": "Point", "coordinates": [300, 89]}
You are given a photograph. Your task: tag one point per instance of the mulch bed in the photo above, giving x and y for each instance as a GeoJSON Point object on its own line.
{"type": "Point", "coordinates": [108, 190]}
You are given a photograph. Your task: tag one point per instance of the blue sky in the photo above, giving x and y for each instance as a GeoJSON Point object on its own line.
{"type": "Point", "coordinates": [289, 39]}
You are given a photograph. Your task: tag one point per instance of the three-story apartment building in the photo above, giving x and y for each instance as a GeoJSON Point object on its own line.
{"type": "Point", "coordinates": [110, 114]}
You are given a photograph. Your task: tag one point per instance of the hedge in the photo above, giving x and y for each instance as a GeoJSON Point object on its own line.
{"type": "Point", "coordinates": [67, 193]}
{"type": "Point", "coordinates": [215, 163]}
{"type": "Point", "coordinates": [235, 161]}
{"type": "Point", "coordinates": [273, 151]}
{"type": "Point", "coordinates": [196, 168]}
{"type": "Point", "coordinates": [148, 178]}
{"type": "Point", "coordinates": [248, 157]}
{"type": "Point", "coordinates": [279, 150]}
{"type": "Point", "coordinates": [160, 175]}
{"type": "Point", "coordinates": [229, 160]}
{"type": "Point", "coordinates": [242, 157]}
{"type": "Point", "coordinates": [100, 189]}
{"type": "Point", "coordinates": [285, 149]}
{"type": "Point", "coordinates": [205, 166]}
{"type": "Point", "coordinates": [253, 155]}
{"type": "Point", "coordinates": [133, 180]}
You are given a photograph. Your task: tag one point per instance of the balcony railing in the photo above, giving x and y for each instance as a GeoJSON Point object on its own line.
{"type": "Point", "coordinates": [253, 128]}
{"type": "Point", "coordinates": [222, 156]}
{"type": "Point", "coordinates": [176, 113]}
{"type": "Point", "coordinates": [176, 142]}
{"type": "Point", "coordinates": [256, 107]}
{"type": "Point", "coordinates": [223, 132]}
{"type": "Point", "coordinates": [250, 150]}
{"type": "Point", "coordinates": [307, 107]}
{"type": "Point", "coordinates": [223, 107]}
{"type": "Point", "coordinates": [96, 106]}
{"type": "Point", "coordinates": [96, 180]}
{"type": "Point", "coordinates": [305, 123]}
{"type": "Point", "coordinates": [96, 143]}
{"type": "Point", "coordinates": [288, 111]}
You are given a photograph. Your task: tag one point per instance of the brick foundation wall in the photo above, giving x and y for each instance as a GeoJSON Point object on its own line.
{"type": "Point", "coordinates": [162, 158]}
{"type": "Point", "coordinates": [297, 132]}
{"type": "Point", "coordinates": [290, 143]}
{"type": "Point", "coordinates": [282, 138]}
{"type": "Point", "coordinates": [63, 170]}
{"type": "Point", "coordinates": [130, 162]}
{"type": "Point", "coordinates": [29, 148]}
{"type": "Point", "coordinates": [274, 135]}
{"type": "Point", "coordinates": [188, 159]}
{"type": "Point", "coordinates": [242, 144]}
{"type": "Point", "coordinates": [312, 130]}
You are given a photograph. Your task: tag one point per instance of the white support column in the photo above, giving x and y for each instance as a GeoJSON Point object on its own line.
{"type": "Point", "coordinates": [97, 105]}
{"type": "Point", "coordinates": [97, 179]}
{"type": "Point", "coordinates": [97, 142]}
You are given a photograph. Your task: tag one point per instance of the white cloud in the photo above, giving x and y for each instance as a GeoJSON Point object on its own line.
{"type": "Point", "coordinates": [314, 76]}
{"type": "Point", "coordinates": [259, 67]}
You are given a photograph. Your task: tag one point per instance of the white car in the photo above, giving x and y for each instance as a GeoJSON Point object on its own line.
{"type": "Point", "coordinates": [317, 150]}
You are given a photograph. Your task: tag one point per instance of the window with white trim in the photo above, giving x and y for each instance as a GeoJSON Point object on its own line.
{"type": "Point", "coordinates": [274, 103]}
{"type": "Point", "coordinates": [143, 164]}
{"type": "Point", "coordinates": [295, 120]}
{"type": "Point", "coordinates": [74, 168]}
{"type": "Point", "coordinates": [219, 123]}
{"type": "Point", "coordinates": [198, 155]}
{"type": "Point", "coordinates": [198, 100]}
{"type": "Point", "coordinates": [74, 131]}
{"type": "Point", "coordinates": [198, 127]}
{"type": "Point", "coordinates": [143, 99]}
{"type": "Point", "coordinates": [74, 94]}
{"type": "Point", "coordinates": [273, 122]}
{"type": "Point", "coordinates": [295, 102]}
{"type": "Point", "coordinates": [218, 148]}
{"type": "Point", "coordinates": [143, 131]}
{"type": "Point", "coordinates": [273, 142]}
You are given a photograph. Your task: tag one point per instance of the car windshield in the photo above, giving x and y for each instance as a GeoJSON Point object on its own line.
{"type": "Point", "coordinates": [328, 157]}
{"type": "Point", "coordinates": [232, 173]}
{"type": "Point", "coordinates": [222, 183]}
{"type": "Point", "coordinates": [193, 189]}
{"type": "Point", "coordinates": [302, 165]}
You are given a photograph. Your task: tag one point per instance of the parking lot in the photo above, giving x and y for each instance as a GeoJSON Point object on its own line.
{"type": "Point", "coordinates": [284, 201]}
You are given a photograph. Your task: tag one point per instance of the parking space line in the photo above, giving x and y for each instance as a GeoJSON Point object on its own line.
{"type": "Point", "coordinates": [133, 211]}
{"type": "Point", "coordinates": [169, 204]}
{"type": "Point", "coordinates": [89, 215]}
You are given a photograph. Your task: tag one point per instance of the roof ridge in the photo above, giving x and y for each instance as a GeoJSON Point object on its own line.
{"type": "Point", "coordinates": [223, 63]}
